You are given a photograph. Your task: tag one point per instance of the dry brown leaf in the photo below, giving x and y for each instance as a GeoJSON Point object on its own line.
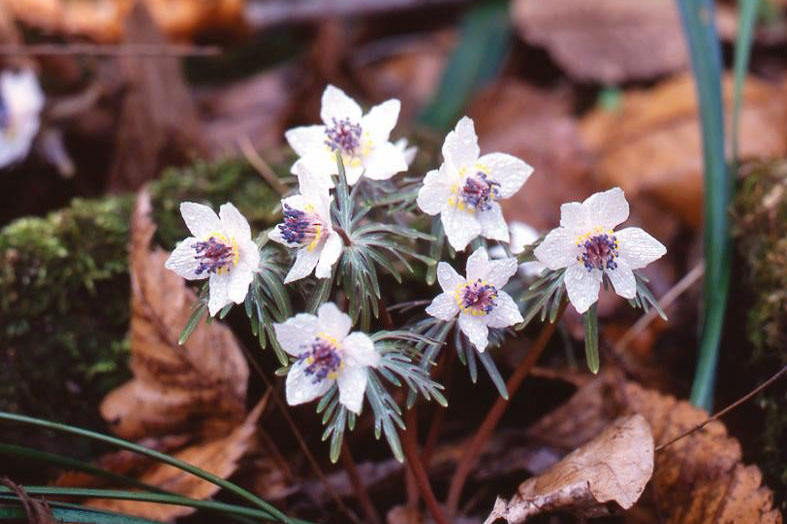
{"type": "Point", "coordinates": [102, 20]}
{"type": "Point", "coordinates": [652, 144]}
{"type": "Point", "coordinates": [606, 41]}
{"type": "Point", "coordinates": [201, 383]}
{"type": "Point", "coordinates": [613, 467]}
{"type": "Point", "coordinates": [516, 118]}
{"type": "Point", "coordinates": [699, 479]}
{"type": "Point", "coordinates": [219, 456]}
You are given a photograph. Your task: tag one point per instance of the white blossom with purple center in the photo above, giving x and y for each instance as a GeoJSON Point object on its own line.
{"type": "Point", "coordinates": [307, 228]}
{"type": "Point", "coordinates": [326, 353]}
{"type": "Point", "coordinates": [467, 188]}
{"type": "Point", "coordinates": [361, 140]}
{"type": "Point", "coordinates": [587, 245]}
{"type": "Point", "coordinates": [479, 299]}
{"type": "Point", "coordinates": [221, 250]}
{"type": "Point", "coordinates": [21, 101]}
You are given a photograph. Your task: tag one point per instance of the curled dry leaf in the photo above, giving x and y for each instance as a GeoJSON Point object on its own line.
{"type": "Point", "coordinates": [661, 125]}
{"type": "Point", "coordinates": [102, 20]}
{"type": "Point", "coordinates": [606, 41]}
{"type": "Point", "coordinates": [217, 456]}
{"type": "Point", "coordinates": [174, 387]}
{"type": "Point", "coordinates": [699, 479]}
{"type": "Point", "coordinates": [613, 467]}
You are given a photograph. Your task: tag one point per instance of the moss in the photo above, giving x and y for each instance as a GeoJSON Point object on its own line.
{"type": "Point", "coordinates": [64, 290]}
{"type": "Point", "coordinates": [760, 229]}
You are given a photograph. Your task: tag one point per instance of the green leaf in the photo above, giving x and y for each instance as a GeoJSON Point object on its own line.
{"type": "Point", "coordinates": [193, 322]}
{"type": "Point", "coordinates": [590, 319]}
{"type": "Point", "coordinates": [747, 16]}
{"type": "Point", "coordinates": [18, 514]}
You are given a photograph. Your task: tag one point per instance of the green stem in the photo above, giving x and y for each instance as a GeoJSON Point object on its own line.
{"type": "Point", "coordinates": [275, 513]}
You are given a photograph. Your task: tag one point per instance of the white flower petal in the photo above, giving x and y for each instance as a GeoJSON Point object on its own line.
{"type": "Point", "coordinates": [493, 224]}
{"type": "Point", "coordinates": [200, 219]}
{"type": "Point", "coordinates": [359, 350]}
{"type": "Point", "coordinates": [276, 235]}
{"type": "Point", "coordinates": [448, 277]}
{"type": "Point", "coordinates": [622, 278]}
{"type": "Point", "coordinates": [478, 265]}
{"type": "Point", "coordinates": [507, 170]}
{"type": "Point", "coordinates": [183, 260]}
{"type": "Point", "coordinates": [638, 248]}
{"type": "Point", "coordinates": [575, 217]}
{"type": "Point", "coordinates": [235, 225]}
{"type": "Point", "coordinates": [331, 252]}
{"type": "Point", "coordinates": [297, 333]}
{"type": "Point", "coordinates": [381, 119]}
{"type": "Point", "coordinates": [408, 152]}
{"type": "Point", "coordinates": [302, 388]}
{"type": "Point", "coordinates": [306, 139]}
{"type": "Point", "coordinates": [582, 286]}
{"type": "Point", "coordinates": [384, 161]}
{"type": "Point", "coordinates": [23, 101]}
{"type": "Point", "coordinates": [305, 261]}
{"type": "Point", "coordinates": [506, 313]}
{"type": "Point", "coordinates": [314, 188]}
{"type": "Point", "coordinates": [460, 227]}
{"type": "Point", "coordinates": [321, 163]}
{"type": "Point", "coordinates": [433, 195]}
{"type": "Point", "coordinates": [501, 271]}
{"type": "Point", "coordinates": [240, 277]}
{"type": "Point", "coordinates": [461, 144]}
{"type": "Point", "coordinates": [607, 209]}
{"type": "Point", "coordinates": [475, 330]}
{"type": "Point", "coordinates": [333, 321]}
{"type": "Point", "coordinates": [337, 105]}
{"type": "Point", "coordinates": [352, 385]}
{"type": "Point", "coordinates": [353, 173]}
{"type": "Point", "coordinates": [522, 235]}
{"type": "Point", "coordinates": [558, 249]}
{"type": "Point", "coordinates": [443, 306]}
{"type": "Point", "coordinates": [219, 292]}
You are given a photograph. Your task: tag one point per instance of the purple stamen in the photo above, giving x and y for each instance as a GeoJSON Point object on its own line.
{"type": "Point", "coordinates": [479, 192]}
{"type": "Point", "coordinates": [479, 296]}
{"type": "Point", "coordinates": [344, 136]}
{"type": "Point", "coordinates": [323, 359]}
{"type": "Point", "coordinates": [299, 227]}
{"type": "Point", "coordinates": [599, 252]}
{"type": "Point", "coordinates": [213, 255]}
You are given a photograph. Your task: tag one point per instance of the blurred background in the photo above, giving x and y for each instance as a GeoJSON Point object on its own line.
{"type": "Point", "coordinates": [192, 98]}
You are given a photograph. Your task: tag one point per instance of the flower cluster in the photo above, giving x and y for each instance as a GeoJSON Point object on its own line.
{"type": "Point", "coordinates": [334, 227]}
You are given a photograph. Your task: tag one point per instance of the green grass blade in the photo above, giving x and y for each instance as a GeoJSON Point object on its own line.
{"type": "Point", "coordinates": [17, 514]}
{"type": "Point", "coordinates": [275, 513]}
{"type": "Point", "coordinates": [747, 16]}
{"type": "Point", "coordinates": [483, 43]}
{"type": "Point", "coordinates": [698, 17]}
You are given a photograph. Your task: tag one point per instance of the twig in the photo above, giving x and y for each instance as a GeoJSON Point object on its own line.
{"type": "Point", "coordinates": [726, 410]}
{"type": "Point", "coordinates": [410, 484]}
{"type": "Point", "coordinates": [665, 302]}
{"type": "Point", "coordinates": [413, 459]}
{"type": "Point", "coordinates": [360, 489]}
{"type": "Point", "coordinates": [261, 165]}
{"type": "Point", "coordinates": [141, 50]}
{"type": "Point", "coordinates": [261, 15]}
{"type": "Point", "coordinates": [473, 450]}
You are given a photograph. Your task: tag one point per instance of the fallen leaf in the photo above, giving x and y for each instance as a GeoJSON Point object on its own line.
{"type": "Point", "coordinates": [175, 388]}
{"type": "Point", "coordinates": [607, 41]}
{"type": "Point", "coordinates": [218, 456]}
{"type": "Point", "coordinates": [613, 467]}
{"type": "Point", "coordinates": [516, 118]}
{"type": "Point", "coordinates": [102, 20]}
{"type": "Point", "coordinates": [158, 122]}
{"type": "Point", "coordinates": [698, 479]}
{"type": "Point", "coordinates": [652, 145]}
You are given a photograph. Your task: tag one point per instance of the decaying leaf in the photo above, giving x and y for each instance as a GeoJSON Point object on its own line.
{"type": "Point", "coordinates": [606, 41]}
{"type": "Point", "coordinates": [175, 388]}
{"type": "Point", "coordinates": [613, 467]}
{"type": "Point", "coordinates": [652, 144]}
{"type": "Point", "coordinates": [218, 456]}
{"type": "Point", "coordinates": [699, 479]}
{"type": "Point", "coordinates": [102, 20]}
{"type": "Point", "coordinates": [519, 119]}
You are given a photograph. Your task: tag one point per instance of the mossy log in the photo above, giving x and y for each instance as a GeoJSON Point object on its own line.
{"type": "Point", "coordinates": [64, 288]}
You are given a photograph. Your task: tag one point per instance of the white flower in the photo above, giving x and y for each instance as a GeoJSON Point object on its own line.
{"type": "Point", "coordinates": [479, 300]}
{"type": "Point", "coordinates": [466, 189]}
{"type": "Point", "coordinates": [587, 245]}
{"type": "Point", "coordinates": [221, 250]}
{"type": "Point", "coordinates": [361, 139]}
{"type": "Point", "coordinates": [408, 152]}
{"type": "Point", "coordinates": [307, 226]}
{"type": "Point", "coordinates": [327, 352]}
{"type": "Point", "coordinates": [522, 235]}
{"type": "Point", "coordinates": [21, 101]}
